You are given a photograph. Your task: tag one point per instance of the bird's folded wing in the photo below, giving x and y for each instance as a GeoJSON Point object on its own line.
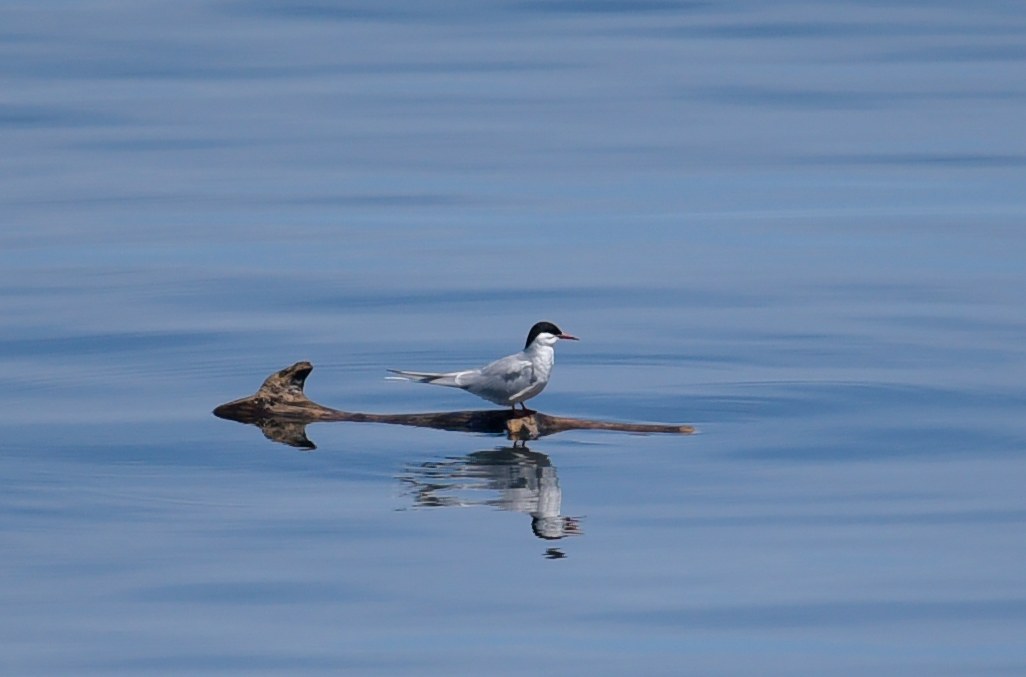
{"type": "Point", "coordinates": [451, 379]}
{"type": "Point", "coordinates": [508, 369]}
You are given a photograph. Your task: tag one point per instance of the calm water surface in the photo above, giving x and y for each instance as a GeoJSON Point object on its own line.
{"type": "Point", "coordinates": [798, 228]}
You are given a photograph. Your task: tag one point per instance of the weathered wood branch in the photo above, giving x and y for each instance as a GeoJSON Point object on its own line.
{"type": "Point", "coordinates": [282, 410]}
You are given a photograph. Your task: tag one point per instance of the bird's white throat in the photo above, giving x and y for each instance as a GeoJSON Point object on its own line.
{"type": "Point", "coordinates": [542, 357]}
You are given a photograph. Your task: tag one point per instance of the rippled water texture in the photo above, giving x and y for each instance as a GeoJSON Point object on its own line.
{"type": "Point", "coordinates": [795, 226]}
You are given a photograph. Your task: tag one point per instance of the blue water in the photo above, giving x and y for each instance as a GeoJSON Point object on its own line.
{"type": "Point", "coordinates": [797, 227]}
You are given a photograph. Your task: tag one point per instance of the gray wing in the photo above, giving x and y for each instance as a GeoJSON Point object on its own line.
{"type": "Point", "coordinates": [500, 380]}
{"type": "Point", "coordinates": [451, 379]}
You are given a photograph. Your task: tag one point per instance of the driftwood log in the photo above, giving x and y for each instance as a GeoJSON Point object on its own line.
{"type": "Point", "coordinates": [282, 410]}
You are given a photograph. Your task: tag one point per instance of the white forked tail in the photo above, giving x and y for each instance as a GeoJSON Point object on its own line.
{"type": "Point", "coordinates": [449, 379]}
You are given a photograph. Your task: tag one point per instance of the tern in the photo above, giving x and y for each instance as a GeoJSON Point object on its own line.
{"type": "Point", "coordinates": [509, 380]}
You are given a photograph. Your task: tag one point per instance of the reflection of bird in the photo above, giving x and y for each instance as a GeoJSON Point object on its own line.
{"type": "Point", "coordinates": [509, 380]}
{"type": "Point", "coordinates": [526, 481]}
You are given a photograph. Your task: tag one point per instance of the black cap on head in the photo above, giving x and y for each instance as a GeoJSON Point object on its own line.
{"type": "Point", "coordinates": [542, 327]}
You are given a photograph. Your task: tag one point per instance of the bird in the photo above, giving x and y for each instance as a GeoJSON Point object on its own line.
{"type": "Point", "coordinates": [509, 380]}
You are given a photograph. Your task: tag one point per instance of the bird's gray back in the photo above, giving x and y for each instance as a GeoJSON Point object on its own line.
{"type": "Point", "coordinates": [503, 379]}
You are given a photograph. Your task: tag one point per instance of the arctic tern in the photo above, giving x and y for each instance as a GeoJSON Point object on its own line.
{"type": "Point", "coordinates": [509, 380]}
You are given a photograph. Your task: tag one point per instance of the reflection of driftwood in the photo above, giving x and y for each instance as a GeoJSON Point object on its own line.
{"type": "Point", "coordinates": [281, 409]}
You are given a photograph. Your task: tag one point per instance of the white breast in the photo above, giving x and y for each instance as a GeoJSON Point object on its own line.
{"type": "Point", "coordinates": [543, 357]}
